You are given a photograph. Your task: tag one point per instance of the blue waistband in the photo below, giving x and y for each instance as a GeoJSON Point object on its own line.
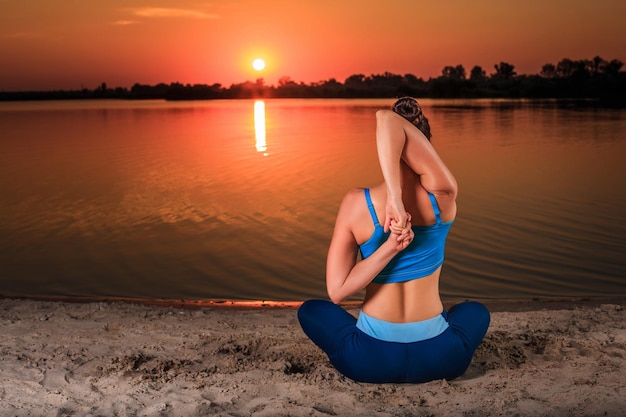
{"type": "Point", "coordinates": [402, 332]}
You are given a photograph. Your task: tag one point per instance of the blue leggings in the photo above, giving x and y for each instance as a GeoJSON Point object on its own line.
{"type": "Point", "coordinates": [363, 358]}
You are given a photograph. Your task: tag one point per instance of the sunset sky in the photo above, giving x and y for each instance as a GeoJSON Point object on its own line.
{"type": "Point", "coordinates": [70, 44]}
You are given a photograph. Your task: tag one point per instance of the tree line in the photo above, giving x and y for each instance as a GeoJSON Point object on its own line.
{"type": "Point", "coordinates": [587, 78]}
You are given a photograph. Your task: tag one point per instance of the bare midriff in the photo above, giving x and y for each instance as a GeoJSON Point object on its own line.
{"type": "Point", "coordinates": [404, 302]}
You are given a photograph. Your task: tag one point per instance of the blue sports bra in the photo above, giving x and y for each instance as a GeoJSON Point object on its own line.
{"type": "Point", "coordinates": [423, 255]}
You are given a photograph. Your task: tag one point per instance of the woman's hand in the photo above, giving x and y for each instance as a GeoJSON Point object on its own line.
{"type": "Point", "coordinates": [404, 236]}
{"type": "Point", "coordinates": [395, 214]}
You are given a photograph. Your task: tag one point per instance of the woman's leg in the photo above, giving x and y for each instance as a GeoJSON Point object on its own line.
{"type": "Point", "coordinates": [326, 324]}
{"type": "Point", "coordinates": [470, 321]}
{"type": "Point", "coordinates": [449, 354]}
{"type": "Point", "coordinates": [353, 353]}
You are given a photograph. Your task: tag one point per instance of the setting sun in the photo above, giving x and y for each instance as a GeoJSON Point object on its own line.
{"type": "Point", "coordinates": [258, 64]}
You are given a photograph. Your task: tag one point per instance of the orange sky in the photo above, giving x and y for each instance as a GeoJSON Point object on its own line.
{"type": "Point", "coordinates": [66, 44]}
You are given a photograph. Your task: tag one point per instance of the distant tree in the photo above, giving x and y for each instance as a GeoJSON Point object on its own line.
{"type": "Point", "coordinates": [289, 88]}
{"type": "Point", "coordinates": [412, 79]}
{"type": "Point", "coordinates": [598, 65]}
{"type": "Point", "coordinates": [411, 86]}
{"type": "Point", "coordinates": [328, 88]}
{"type": "Point", "coordinates": [584, 68]}
{"type": "Point", "coordinates": [140, 91]}
{"type": "Point", "coordinates": [455, 73]}
{"type": "Point", "coordinates": [589, 78]}
{"type": "Point", "coordinates": [566, 68]}
{"type": "Point", "coordinates": [355, 81]}
{"type": "Point", "coordinates": [331, 82]}
{"type": "Point", "coordinates": [387, 80]}
{"type": "Point", "coordinates": [285, 81]}
{"type": "Point", "coordinates": [548, 71]}
{"type": "Point", "coordinates": [613, 67]}
{"type": "Point", "coordinates": [504, 71]}
{"type": "Point", "coordinates": [478, 74]}
{"type": "Point", "coordinates": [603, 67]}
{"type": "Point", "coordinates": [451, 83]}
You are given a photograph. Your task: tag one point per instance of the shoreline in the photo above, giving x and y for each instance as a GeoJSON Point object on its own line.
{"type": "Point", "coordinates": [493, 305]}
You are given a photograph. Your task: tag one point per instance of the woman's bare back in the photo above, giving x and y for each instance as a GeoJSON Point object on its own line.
{"type": "Point", "coordinates": [408, 301]}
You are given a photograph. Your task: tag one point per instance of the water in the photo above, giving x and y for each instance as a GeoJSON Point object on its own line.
{"type": "Point", "coordinates": [236, 200]}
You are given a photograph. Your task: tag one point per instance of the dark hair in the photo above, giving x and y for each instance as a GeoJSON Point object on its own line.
{"type": "Point", "coordinates": [410, 109]}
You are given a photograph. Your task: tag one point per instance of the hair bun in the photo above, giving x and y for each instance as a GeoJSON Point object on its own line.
{"type": "Point", "coordinates": [410, 109]}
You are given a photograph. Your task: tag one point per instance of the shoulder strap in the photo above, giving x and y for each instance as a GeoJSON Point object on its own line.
{"type": "Point", "coordinates": [433, 202]}
{"type": "Point", "coordinates": [370, 206]}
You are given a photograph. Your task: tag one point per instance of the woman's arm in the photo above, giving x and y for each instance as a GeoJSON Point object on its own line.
{"type": "Point", "coordinates": [344, 275]}
{"type": "Point", "coordinates": [396, 139]}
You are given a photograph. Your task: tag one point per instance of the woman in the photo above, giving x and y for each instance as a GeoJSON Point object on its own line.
{"type": "Point", "coordinates": [403, 333]}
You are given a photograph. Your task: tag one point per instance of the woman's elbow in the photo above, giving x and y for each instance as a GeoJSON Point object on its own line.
{"type": "Point", "coordinates": [451, 190]}
{"type": "Point", "coordinates": [383, 116]}
{"type": "Point", "coordinates": [442, 184]}
{"type": "Point", "coordinates": [453, 187]}
{"type": "Point", "coordinates": [335, 296]}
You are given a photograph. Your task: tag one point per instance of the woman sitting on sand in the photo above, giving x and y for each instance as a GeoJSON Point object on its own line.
{"type": "Point", "coordinates": [403, 333]}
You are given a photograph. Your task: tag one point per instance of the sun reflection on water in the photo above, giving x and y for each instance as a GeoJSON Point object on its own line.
{"type": "Point", "coordinates": [259, 126]}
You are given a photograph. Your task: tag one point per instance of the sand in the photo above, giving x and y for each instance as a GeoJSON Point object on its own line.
{"type": "Point", "coordinates": [127, 359]}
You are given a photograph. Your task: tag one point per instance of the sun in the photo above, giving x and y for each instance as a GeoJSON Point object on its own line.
{"type": "Point", "coordinates": [258, 64]}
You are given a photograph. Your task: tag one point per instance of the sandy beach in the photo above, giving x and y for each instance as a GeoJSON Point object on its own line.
{"type": "Point", "coordinates": [129, 359]}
